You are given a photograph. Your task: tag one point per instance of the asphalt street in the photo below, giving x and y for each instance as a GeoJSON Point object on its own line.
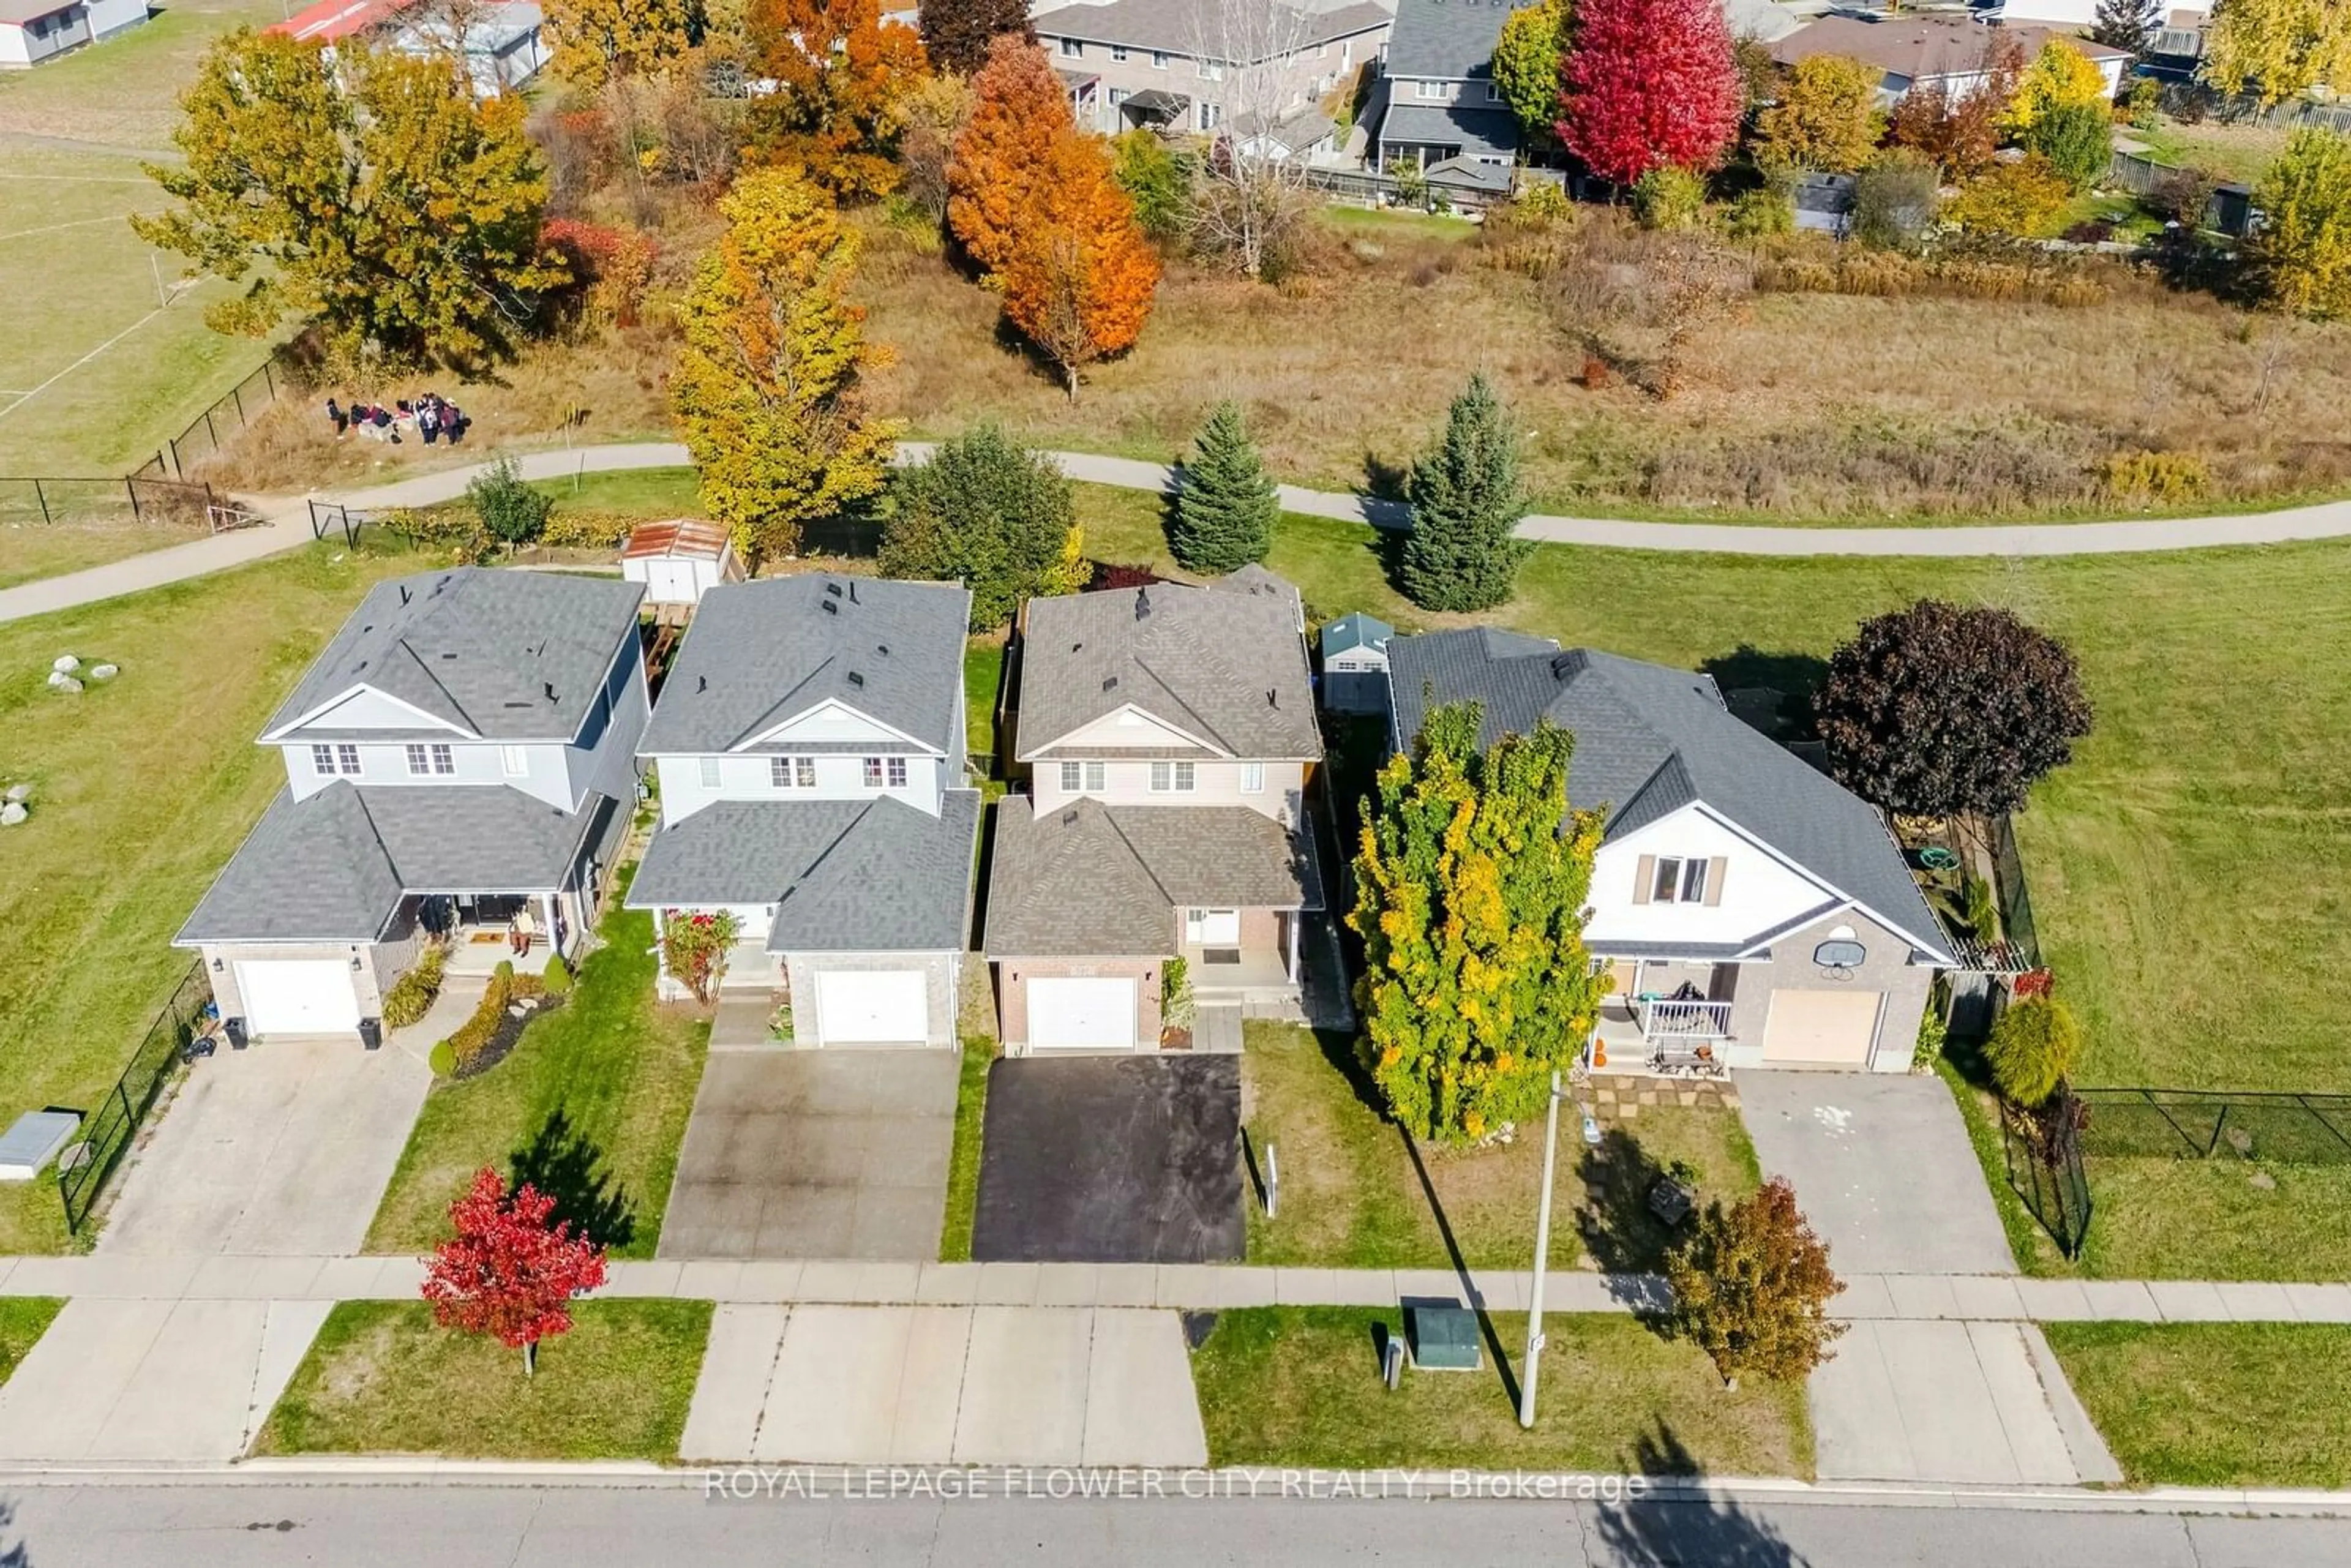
{"type": "Point", "coordinates": [136, 1526]}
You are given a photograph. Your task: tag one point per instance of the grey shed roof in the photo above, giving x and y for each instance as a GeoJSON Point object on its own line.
{"type": "Point", "coordinates": [479, 649]}
{"type": "Point", "coordinates": [1182, 27]}
{"type": "Point", "coordinates": [1447, 38]}
{"type": "Point", "coordinates": [760, 652]}
{"type": "Point", "coordinates": [1474, 129]}
{"type": "Point", "coordinates": [1356, 631]}
{"type": "Point", "coordinates": [333, 867]}
{"type": "Point", "coordinates": [1227, 667]}
{"type": "Point", "coordinates": [870, 875]}
{"type": "Point", "coordinates": [1650, 740]}
{"type": "Point", "coordinates": [1088, 880]}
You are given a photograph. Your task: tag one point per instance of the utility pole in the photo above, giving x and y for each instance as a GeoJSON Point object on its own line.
{"type": "Point", "coordinates": [1542, 1265]}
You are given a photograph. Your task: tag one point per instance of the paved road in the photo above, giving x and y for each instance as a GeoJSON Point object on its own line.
{"type": "Point", "coordinates": [288, 526]}
{"type": "Point", "coordinates": [118, 1526]}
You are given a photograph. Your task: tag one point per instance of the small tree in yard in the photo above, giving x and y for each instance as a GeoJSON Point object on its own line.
{"type": "Point", "coordinates": [1225, 512]}
{"type": "Point", "coordinates": [511, 1270]}
{"type": "Point", "coordinates": [1470, 895]}
{"type": "Point", "coordinates": [1463, 552]}
{"type": "Point", "coordinates": [2060, 76]}
{"type": "Point", "coordinates": [2078, 140]}
{"type": "Point", "coordinates": [2033, 1049]}
{"type": "Point", "coordinates": [1826, 116]}
{"type": "Point", "coordinates": [991, 514]}
{"type": "Point", "coordinates": [1527, 60]}
{"type": "Point", "coordinates": [1895, 200]}
{"type": "Point", "coordinates": [512, 512]}
{"type": "Point", "coordinates": [693, 948]}
{"type": "Point", "coordinates": [1649, 82]}
{"type": "Point", "coordinates": [1945, 710]}
{"type": "Point", "coordinates": [1752, 1286]}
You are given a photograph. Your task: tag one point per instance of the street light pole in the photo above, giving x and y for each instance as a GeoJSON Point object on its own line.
{"type": "Point", "coordinates": [1542, 1265]}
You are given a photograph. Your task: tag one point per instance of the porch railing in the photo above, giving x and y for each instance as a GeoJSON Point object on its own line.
{"type": "Point", "coordinates": [1685, 1020]}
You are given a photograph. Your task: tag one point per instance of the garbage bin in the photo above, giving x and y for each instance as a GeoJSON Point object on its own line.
{"type": "Point", "coordinates": [371, 1033]}
{"type": "Point", "coordinates": [235, 1029]}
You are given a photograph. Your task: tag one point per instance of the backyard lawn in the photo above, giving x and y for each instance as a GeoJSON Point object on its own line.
{"type": "Point", "coordinates": [1300, 1386]}
{"type": "Point", "coordinates": [382, 1378]}
{"type": "Point", "coordinates": [1355, 1195]}
{"type": "Point", "coordinates": [591, 1107]}
{"type": "Point", "coordinates": [142, 786]}
{"type": "Point", "coordinates": [32, 549]}
{"type": "Point", "coordinates": [2216, 1405]}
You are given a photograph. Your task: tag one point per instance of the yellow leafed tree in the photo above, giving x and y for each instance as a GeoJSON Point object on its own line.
{"type": "Point", "coordinates": [2060, 77]}
{"type": "Point", "coordinates": [596, 41]}
{"type": "Point", "coordinates": [2279, 48]}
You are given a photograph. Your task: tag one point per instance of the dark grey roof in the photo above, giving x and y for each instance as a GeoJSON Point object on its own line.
{"type": "Point", "coordinates": [1354, 630]}
{"type": "Point", "coordinates": [1296, 131]}
{"type": "Point", "coordinates": [1452, 38]}
{"type": "Point", "coordinates": [1650, 740]}
{"type": "Point", "coordinates": [867, 875]}
{"type": "Point", "coordinates": [333, 867]}
{"type": "Point", "coordinates": [1184, 26]}
{"type": "Point", "coordinates": [478, 648]}
{"type": "Point", "coordinates": [760, 652]}
{"type": "Point", "coordinates": [1229, 668]}
{"type": "Point", "coordinates": [1468, 173]}
{"type": "Point", "coordinates": [1474, 129]}
{"type": "Point", "coordinates": [1087, 879]}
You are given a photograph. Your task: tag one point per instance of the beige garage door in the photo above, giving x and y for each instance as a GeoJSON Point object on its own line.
{"type": "Point", "coordinates": [1827, 1028]}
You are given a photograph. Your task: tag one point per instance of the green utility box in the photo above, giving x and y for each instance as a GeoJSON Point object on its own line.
{"type": "Point", "coordinates": [1443, 1338]}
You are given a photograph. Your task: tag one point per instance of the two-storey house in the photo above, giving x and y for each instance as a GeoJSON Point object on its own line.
{"type": "Point", "coordinates": [461, 752]}
{"type": "Point", "coordinates": [1437, 103]}
{"type": "Point", "coordinates": [1169, 736]}
{"type": "Point", "coordinates": [809, 746]}
{"type": "Point", "coordinates": [1193, 65]}
{"type": "Point", "coordinates": [1749, 907]}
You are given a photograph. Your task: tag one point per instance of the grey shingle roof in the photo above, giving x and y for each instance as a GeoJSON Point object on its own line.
{"type": "Point", "coordinates": [1176, 26]}
{"type": "Point", "coordinates": [1474, 129]}
{"type": "Point", "coordinates": [1649, 740]}
{"type": "Point", "coordinates": [478, 648]}
{"type": "Point", "coordinates": [1229, 668]}
{"type": "Point", "coordinates": [1453, 38]}
{"type": "Point", "coordinates": [334, 866]}
{"type": "Point", "coordinates": [759, 653]}
{"type": "Point", "coordinates": [869, 875]}
{"type": "Point", "coordinates": [1090, 880]}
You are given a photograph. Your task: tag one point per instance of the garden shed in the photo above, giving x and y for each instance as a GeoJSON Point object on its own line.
{"type": "Point", "coordinates": [679, 560]}
{"type": "Point", "coordinates": [1355, 663]}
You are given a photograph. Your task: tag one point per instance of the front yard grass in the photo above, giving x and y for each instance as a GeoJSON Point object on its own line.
{"type": "Point", "coordinates": [2216, 1405]}
{"type": "Point", "coordinates": [384, 1378]}
{"type": "Point", "coordinates": [1300, 1386]}
{"type": "Point", "coordinates": [23, 1321]}
{"type": "Point", "coordinates": [1357, 1194]}
{"type": "Point", "coordinates": [591, 1106]}
{"type": "Point", "coordinates": [963, 1160]}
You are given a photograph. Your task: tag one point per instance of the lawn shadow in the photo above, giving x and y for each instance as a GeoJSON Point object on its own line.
{"type": "Point", "coordinates": [1623, 1234]}
{"type": "Point", "coordinates": [1384, 480]}
{"type": "Point", "coordinates": [563, 1162]}
{"type": "Point", "coordinates": [1772, 691]}
{"type": "Point", "coordinates": [1504, 1368]}
{"type": "Point", "coordinates": [1668, 1529]}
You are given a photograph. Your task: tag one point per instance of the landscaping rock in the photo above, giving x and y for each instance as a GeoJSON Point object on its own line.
{"type": "Point", "coordinates": [12, 813]}
{"type": "Point", "coordinates": [103, 671]}
{"type": "Point", "coordinates": [65, 664]}
{"type": "Point", "coordinates": [65, 684]}
{"type": "Point", "coordinates": [20, 791]}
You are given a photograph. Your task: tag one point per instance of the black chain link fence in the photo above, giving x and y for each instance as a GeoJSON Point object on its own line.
{"type": "Point", "coordinates": [108, 1132]}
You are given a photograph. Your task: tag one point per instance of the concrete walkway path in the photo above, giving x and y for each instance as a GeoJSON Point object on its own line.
{"type": "Point", "coordinates": [287, 526]}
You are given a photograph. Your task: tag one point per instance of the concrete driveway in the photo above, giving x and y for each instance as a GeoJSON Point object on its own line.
{"type": "Point", "coordinates": [284, 1148]}
{"type": "Point", "coordinates": [937, 1385]}
{"type": "Point", "coordinates": [1882, 1168]}
{"type": "Point", "coordinates": [1112, 1159]}
{"type": "Point", "coordinates": [815, 1153]}
{"type": "Point", "coordinates": [1952, 1402]}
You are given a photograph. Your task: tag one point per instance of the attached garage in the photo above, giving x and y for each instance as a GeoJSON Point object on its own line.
{"type": "Point", "coordinates": [1089, 1014]}
{"type": "Point", "coordinates": [873, 1007]}
{"type": "Point", "coordinates": [298, 996]}
{"type": "Point", "coordinates": [1823, 1029]}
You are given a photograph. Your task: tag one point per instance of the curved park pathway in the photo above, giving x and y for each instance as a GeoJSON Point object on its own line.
{"type": "Point", "coordinates": [287, 525]}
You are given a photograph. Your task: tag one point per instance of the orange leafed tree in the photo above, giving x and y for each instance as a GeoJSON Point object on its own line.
{"type": "Point", "coordinates": [841, 75]}
{"type": "Point", "coordinates": [1019, 116]}
{"type": "Point", "coordinates": [1079, 281]}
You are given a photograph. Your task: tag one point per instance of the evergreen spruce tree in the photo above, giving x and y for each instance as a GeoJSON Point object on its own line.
{"type": "Point", "coordinates": [1226, 510]}
{"type": "Point", "coordinates": [2127, 24]}
{"type": "Point", "coordinates": [1462, 552]}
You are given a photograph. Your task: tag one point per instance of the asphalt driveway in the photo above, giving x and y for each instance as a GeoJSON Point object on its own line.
{"type": "Point", "coordinates": [1882, 1166]}
{"type": "Point", "coordinates": [815, 1153]}
{"type": "Point", "coordinates": [1112, 1159]}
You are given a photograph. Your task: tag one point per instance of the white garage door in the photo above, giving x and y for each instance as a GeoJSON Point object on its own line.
{"type": "Point", "coordinates": [1090, 1015]}
{"type": "Point", "coordinates": [1829, 1028]}
{"type": "Point", "coordinates": [298, 996]}
{"type": "Point", "coordinates": [873, 1007]}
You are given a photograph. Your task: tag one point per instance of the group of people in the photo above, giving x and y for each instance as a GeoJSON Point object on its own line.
{"type": "Point", "coordinates": [431, 416]}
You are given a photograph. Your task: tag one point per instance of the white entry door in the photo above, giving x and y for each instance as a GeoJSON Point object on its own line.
{"type": "Point", "coordinates": [1212, 928]}
{"type": "Point", "coordinates": [873, 1007]}
{"type": "Point", "coordinates": [670, 582]}
{"type": "Point", "coordinates": [298, 996]}
{"type": "Point", "coordinates": [1081, 1014]}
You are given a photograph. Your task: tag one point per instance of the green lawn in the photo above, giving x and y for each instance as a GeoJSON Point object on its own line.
{"type": "Point", "coordinates": [2216, 1405]}
{"type": "Point", "coordinates": [29, 550]}
{"type": "Point", "coordinates": [983, 675]}
{"type": "Point", "coordinates": [23, 1321]}
{"type": "Point", "coordinates": [963, 1161]}
{"type": "Point", "coordinates": [1355, 1194]}
{"type": "Point", "coordinates": [382, 1378]}
{"type": "Point", "coordinates": [142, 786]}
{"type": "Point", "coordinates": [1394, 222]}
{"type": "Point", "coordinates": [591, 1106]}
{"type": "Point", "coordinates": [636, 492]}
{"type": "Point", "coordinates": [1300, 1386]}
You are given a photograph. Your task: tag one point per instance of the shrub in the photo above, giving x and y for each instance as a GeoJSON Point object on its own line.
{"type": "Point", "coordinates": [1668, 197]}
{"type": "Point", "coordinates": [1411, 183]}
{"type": "Point", "coordinates": [474, 1036]}
{"type": "Point", "coordinates": [2033, 1048]}
{"type": "Point", "coordinates": [1981, 908]}
{"type": "Point", "coordinates": [411, 996]}
{"type": "Point", "coordinates": [1752, 1286]}
{"type": "Point", "coordinates": [2157, 476]}
{"type": "Point", "coordinates": [1764, 214]}
{"type": "Point", "coordinates": [555, 980]}
{"type": "Point", "coordinates": [991, 513]}
{"type": "Point", "coordinates": [693, 948]}
{"type": "Point", "coordinates": [1895, 200]}
{"type": "Point", "coordinates": [2025, 200]}
{"type": "Point", "coordinates": [454, 529]}
{"type": "Point", "coordinates": [1155, 180]}
{"type": "Point", "coordinates": [511, 512]}
{"type": "Point", "coordinates": [2078, 140]}
{"type": "Point", "coordinates": [1175, 1007]}
{"type": "Point", "coordinates": [443, 1060]}
{"type": "Point", "coordinates": [613, 265]}
{"type": "Point", "coordinates": [1539, 202]}
{"type": "Point", "coordinates": [2184, 195]}
{"type": "Point", "coordinates": [1933, 1033]}
{"type": "Point", "coordinates": [586, 528]}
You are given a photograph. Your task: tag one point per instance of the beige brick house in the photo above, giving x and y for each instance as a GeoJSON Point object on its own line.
{"type": "Point", "coordinates": [1189, 65]}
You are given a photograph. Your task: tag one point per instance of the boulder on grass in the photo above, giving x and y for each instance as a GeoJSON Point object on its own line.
{"type": "Point", "coordinates": [12, 813]}
{"type": "Point", "coordinates": [20, 791]}
{"type": "Point", "coordinates": [103, 671]}
{"type": "Point", "coordinates": [65, 684]}
{"type": "Point", "coordinates": [65, 664]}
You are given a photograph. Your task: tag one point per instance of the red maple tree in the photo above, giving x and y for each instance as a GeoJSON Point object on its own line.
{"type": "Point", "coordinates": [1649, 83]}
{"type": "Point", "coordinates": [510, 1271]}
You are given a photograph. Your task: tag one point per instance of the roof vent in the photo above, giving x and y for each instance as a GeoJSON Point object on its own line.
{"type": "Point", "coordinates": [852, 591]}
{"type": "Point", "coordinates": [1075, 646]}
{"type": "Point", "coordinates": [832, 591]}
{"type": "Point", "coordinates": [830, 607]}
{"type": "Point", "coordinates": [403, 593]}
{"type": "Point", "coordinates": [1142, 604]}
{"type": "Point", "coordinates": [1069, 818]}
{"type": "Point", "coordinates": [1563, 665]}
{"type": "Point", "coordinates": [448, 655]}
{"type": "Point", "coordinates": [882, 649]}
{"type": "Point", "coordinates": [1273, 696]}
{"type": "Point", "coordinates": [855, 679]}
{"type": "Point", "coordinates": [548, 687]}
{"type": "Point", "coordinates": [1110, 683]}
{"type": "Point", "coordinates": [701, 684]}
